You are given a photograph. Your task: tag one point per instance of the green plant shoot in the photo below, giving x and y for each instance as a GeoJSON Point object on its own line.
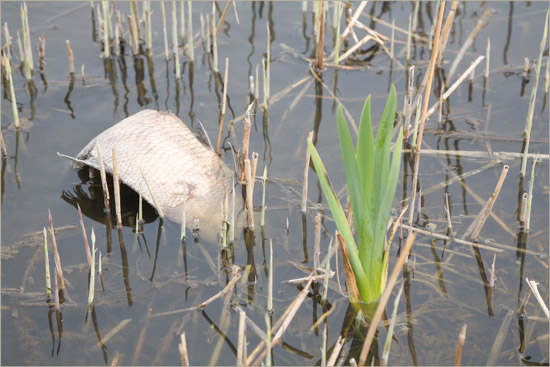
{"type": "Point", "coordinates": [372, 182]}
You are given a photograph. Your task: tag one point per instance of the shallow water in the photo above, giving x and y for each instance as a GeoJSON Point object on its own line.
{"type": "Point", "coordinates": [444, 283]}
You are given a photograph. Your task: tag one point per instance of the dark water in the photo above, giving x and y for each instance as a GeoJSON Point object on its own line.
{"type": "Point", "coordinates": [445, 283]}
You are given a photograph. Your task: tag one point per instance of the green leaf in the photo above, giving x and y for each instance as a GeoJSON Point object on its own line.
{"type": "Point", "coordinates": [382, 146]}
{"type": "Point", "coordinates": [363, 284]}
{"type": "Point", "coordinates": [357, 196]}
{"type": "Point", "coordinates": [385, 207]}
{"type": "Point", "coordinates": [365, 152]}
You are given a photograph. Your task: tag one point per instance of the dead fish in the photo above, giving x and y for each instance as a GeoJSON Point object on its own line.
{"type": "Point", "coordinates": [176, 165]}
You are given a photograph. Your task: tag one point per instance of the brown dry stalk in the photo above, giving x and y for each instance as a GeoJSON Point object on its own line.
{"type": "Point", "coordinates": [223, 103]}
{"type": "Point", "coordinates": [116, 184]}
{"type": "Point", "coordinates": [461, 340]}
{"type": "Point", "coordinates": [385, 297]}
{"type": "Point", "coordinates": [428, 90]}
{"type": "Point", "coordinates": [320, 50]}
{"type": "Point", "coordinates": [489, 205]}
{"type": "Point", "coordinates": [86, 245]}
{"type": "Point", "coordinates": [222, 17]}
{"type": "Point", "coordinates": [71, 58]}
{"type": "Point", "coordinates": [353, 291]}
{"type": "Point", "coordinates": [446, 30]}
{"type": "Point", "coordinates": [246, 139]}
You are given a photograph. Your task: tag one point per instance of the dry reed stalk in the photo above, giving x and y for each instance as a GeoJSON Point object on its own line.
{"type": "Point", "coordinates": [182, 22]}
{"type": "Point", "coordinates": [270, 279]}
{"type": "Point", "coordinates": [241, 344]}
{"type": "Point", "coordinates": [148, 27]}
{"type": "Point", "coordinates": [355, 47]}
{"type": "Point", "coordinates": [336, 351]}
{"type": "Point", "coordinates": [116, 184]}
{"type": "Point", "coordinates": [29, 63]}
{"type": "Point", "coordinates": [135, 14]}
{"type": "Point", "coordinates": [71, 58]}
{"type": "Point", "coordinates": [106, 23]}
{"type": "Point", "coordinates": [134, 43]}
{"type": "Point", "coordinates": [190, 46]}
{"type": "Point", "coordinates": [56, 254]}
{"type": "Point", "coordinates": [529, 122]}
{"type": "Point", "coordinates": [91, 289]}
{"type": "Point", "coordinates": [281, 325]}
{"type": "Point", "coordinates": [533, 286]}
{"type": "Point", "coordinates": [103, 178]}
{"type": "Point", "coordinates": [446, 31]}
{"type": "Point", "coordinates": [226, 290]}
{"type": "Point", "coordinates": [482, 22]}
{"type": "Point", "coordinates": [492, 277]}
{"type": "Point", "coordinates": [166, 55]}
{"type": "Point", "coordinates": [306, 173]}
{"type": "Point", "coordinates": [214, 39]}
{"type": "Point", "coordinates": [264, 180]}
{"type": "Point", "coordinates": [352, 21]}
{"type": "Point", "coordinates": [86, 245]}
{"type": "Point", "coordinates": [386, 295]}
{"type": "Point", "coordinates": [484, 214]}
{"type": "Point", "coordinates": [497, 247]}
{"type": "Point", "coordinates": [224, 101]}
{"type": "Point", "coordinates": [460, 344]}
{"type": "Point", "coordinates": [253, 167]}
{"type": "Point", "coordinates": [175, 49]}
{"type": "Point", "coordinates": [320, 47]}
{"type": "Point", "coordinates": [526, 68]}
{"type": "Point", "coordinates": [448, 213]}
{"type": "Point", "coordinates": [469, 71]}
{"type": "Point", "coordinates": [317, 243]}
{"type": "Point", "coordinates": [246, 138]}
{"type": "Point", "coordinates": [42, 50]}
{"type": "Point", "coordinates": [430, 74]}
{"type": "Point", "coordinates": [182, 347]}
{"type": "Point", "coordinates": [47, 265]}
{"type": "Point", "coordinates": [249, 193]}
{"type": "Point", "coordinates": [523, 211]}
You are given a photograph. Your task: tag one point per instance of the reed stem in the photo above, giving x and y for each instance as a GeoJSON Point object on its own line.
{"type": "Point", "coordinates": [47, 264]}
{"type": "Point", "coordinates": [71, 58]}
{"type": "Point", "coordinates": [224, 101]}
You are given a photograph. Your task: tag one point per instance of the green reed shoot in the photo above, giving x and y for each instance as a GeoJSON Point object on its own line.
{"type": "Point", "coordinates": [12, 92]}
{"type": "Point", "coordinates": [92, 273]}
{"type": "Point", "coordinates": [372, 183]}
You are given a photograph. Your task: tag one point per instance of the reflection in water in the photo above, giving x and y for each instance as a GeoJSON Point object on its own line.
{"type": "Point", "coordinates": [67, 98]}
